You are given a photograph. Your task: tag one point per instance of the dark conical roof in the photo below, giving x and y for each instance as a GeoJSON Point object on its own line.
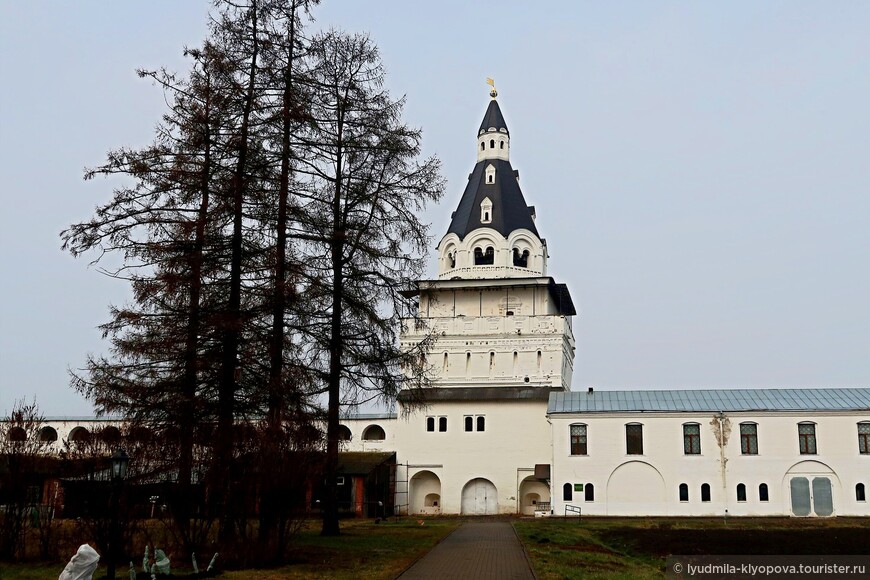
{"type": "Point", "coordinates": [509, 209]}
{"type": "Point", "coordinates": [493, 118]}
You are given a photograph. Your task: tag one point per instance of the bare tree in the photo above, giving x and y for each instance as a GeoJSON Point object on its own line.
{"type": "Point", "coordinates": [362, 228]}
{"type": "Point", "coordinates": [21, 450]}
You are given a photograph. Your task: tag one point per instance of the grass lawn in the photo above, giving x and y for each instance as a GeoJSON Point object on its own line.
{"type": "Point", "coordinates": [364, 550]}
{"type": "Point", "coordinates": [637, 547]}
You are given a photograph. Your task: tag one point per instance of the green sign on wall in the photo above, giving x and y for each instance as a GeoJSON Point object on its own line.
{"type": "Point", "coordinates": [578, 487]}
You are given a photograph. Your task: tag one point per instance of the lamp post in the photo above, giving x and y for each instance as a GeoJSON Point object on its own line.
{"type": "Point", "coordinates": [120, 460]}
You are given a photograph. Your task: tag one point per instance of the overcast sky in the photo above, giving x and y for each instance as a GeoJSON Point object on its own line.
{"type": "Point", "coordinates": [700, 170]}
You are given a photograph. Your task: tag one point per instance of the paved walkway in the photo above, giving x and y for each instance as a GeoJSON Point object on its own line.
{"type": "Point", "coordinates": [475, 551]}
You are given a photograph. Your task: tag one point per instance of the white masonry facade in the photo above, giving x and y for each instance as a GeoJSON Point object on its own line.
{"type": "Point", "coordinates": [502, 433]}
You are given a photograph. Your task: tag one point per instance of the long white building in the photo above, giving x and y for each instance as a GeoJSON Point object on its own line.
{"type": "Point", "coordinates": [501, 431]}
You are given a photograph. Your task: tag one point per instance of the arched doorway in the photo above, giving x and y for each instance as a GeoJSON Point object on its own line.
{"type": "Point", "coordinates": [425, 493]}
{"type": "Point", "coordinates": [636, 488]}
{"type": "Point", "coordinates": [533, 492]}
{"type": "Point", "coordinates": [811, 487]}
{"type": "Point", "coordinates": [479, 497]}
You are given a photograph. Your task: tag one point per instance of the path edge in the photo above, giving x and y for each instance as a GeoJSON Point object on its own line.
{"type": "Point", "coordinates": [435, 545]}
{"type": "Point", "coordinates": [525, 552]}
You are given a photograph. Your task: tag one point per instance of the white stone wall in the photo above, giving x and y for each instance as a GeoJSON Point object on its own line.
{"type": "Point", "coordinates": [648, 484]}
{"type": "Point", "coordinates": [516, 437]}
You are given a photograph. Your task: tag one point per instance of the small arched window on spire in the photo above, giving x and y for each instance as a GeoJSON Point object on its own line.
{"type": "Point", "coordinates": [490, 174]}
{"type": "Point", "coordinates": [482, 145]}
{"type": "Point", "coordinates": [521, 260]}
{"type": "Point", "coordinates": [501, 144]}
{"type": "Point", "coordinates": [492, 143]}
{"type": "Point", "coordinates": [451, 259]}
{"type": "Point", "coordinates": [486, 211]}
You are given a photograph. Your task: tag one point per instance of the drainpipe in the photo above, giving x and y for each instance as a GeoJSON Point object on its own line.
{"type": "Point", "coordinates": [724, 429]}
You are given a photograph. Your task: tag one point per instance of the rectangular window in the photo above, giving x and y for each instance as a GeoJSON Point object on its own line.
{"type": "Point", "coordinates": [578, 439]}
{"type": "Point", "coordinates": [634, 439]}
{"type": "Point", "coordinates": [469, 423]}
{"type": "Point", "coordinates": [442, 424]}
{"type": "Point", "coordinates": [430, 423]}
{"type": "Point", "coordinates": [807, 438]}
{"type": "Point", "coordinates": [692, 439]}
{"type": "Point", "coordinates": [481, 423]}
{"type": "Point", "coordinates": [749, 439]}
{"type": "Point", "coordinates": [864, 438]}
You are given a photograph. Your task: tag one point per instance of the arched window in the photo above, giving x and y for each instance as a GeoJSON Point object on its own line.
{"type": "Point", "coordinates": [110, 434]}
{"type": "Point", "coordinates": [741, 492]}
{"type": "Point", "coordinates": [521, 260]}
{"type": "Point", "coordinates": [374, 433]}
{"type": "Point", "coordinates": [47, 435]}
{"type": "Point", "coordinates": [691, 439]}
{"type": "Point", "coordinates": [705, 492]}
{"type": "Point", "coordinates": [807, 438]}
{"type": "Point", "coordinates": [762, 492]}
{"type": "Point", "coordinates": [17, 434]}
{"type": "Point", "coordinates": [864, 438]}
{"type": "Point", "coordinates": [430, 423]}
{"type": "Point", "coordinates": [634, 439]}
{"type": "Point", "coordinates": [484, 258]}
{"type": "Point", "coordinates": [469, 423]}
{"type": "Point", "coordinates": [567, 492]}
{"type": "Point", "coordinates": [684, 492]}
{"type": "Point", "coordinates": [589, 492]}
{"type": "Point", "coordinates": [343, 433]}
{"type": "Point", "coordinates": [481, 423]}
{"type": "Point", "coordinates": [501, 144]}
{"type": "Point", "coordinates": [492, 143]}
{"type": "Point", "coordinates": [749, 439]}
{"type": "Point", "coordinates": [859, 492]}
{"type": "Point", "coordinates": [482, 146]}
{"type": "Point", "coordinates": [578, 439]}
{"type": "Point", "coordinates": [79, 435]}
{"type": "Point", "coordinates": [143, 434]}
{"type": "Point", "coordinates": [442, 424]}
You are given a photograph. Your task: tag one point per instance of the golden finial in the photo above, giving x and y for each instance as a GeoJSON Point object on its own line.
{"type": "Point", "coordinates": [493, 93]}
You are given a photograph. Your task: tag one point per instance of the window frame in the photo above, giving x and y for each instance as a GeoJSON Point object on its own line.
{"type": "Point", "coordinates": [692, 441]}
{"type": "Point", "coordinates": [860, 493]}
{"type": "Point", "coordinates": [480, 423]}
{"type": "Point", "coordinates": [741, 493]}
{"type": "Point", "coordinates": [636, 439]}
{"type": "Point", "coordinates": [864, 438]}
{"type": "Point", "coordinates": [588, 492]}
{"type": "Point", "coordinates": [807, 442]}
{"type": "Point", "coordinates": [582, 447]}
{"type": "Point", "coordinates": [763, 492]}
{"type": "Point", "coordinates": [568, 492]}
{"type": "Point", "coordinates": [706, 494]}
{"type": "Point", "coordinates": [683, 492]}
{"type": "Point", "coordinates": [430, 424]}
{"type": "Point", "coordinates": [747, 440]}
{"type": "Point", "coordinates": [469, 423]}
{"type": "Point", "coordinates": [442, 424]}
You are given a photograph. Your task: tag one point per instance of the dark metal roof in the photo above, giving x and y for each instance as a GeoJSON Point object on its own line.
{"type": "Point", "coordinates": [362, 463]}
{"type": "Point", "coordinates": [493, 119]}
{"type": "Point", "coordinates": [729, 400]}
{"type": "Point", "coordinates": [509, 209]}
{"type": "Point", "coordinates": [438, 394]}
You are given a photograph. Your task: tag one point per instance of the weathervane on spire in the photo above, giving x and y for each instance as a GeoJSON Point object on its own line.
{"type": "Point", "coordinates": [492, 93]}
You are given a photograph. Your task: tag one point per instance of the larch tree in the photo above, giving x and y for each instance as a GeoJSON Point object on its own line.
{"type": "Point", "coordinates": [364, 238]}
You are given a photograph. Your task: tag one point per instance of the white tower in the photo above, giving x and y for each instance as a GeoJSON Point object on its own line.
{"type": "Point", "coordinates": [502, 342]}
